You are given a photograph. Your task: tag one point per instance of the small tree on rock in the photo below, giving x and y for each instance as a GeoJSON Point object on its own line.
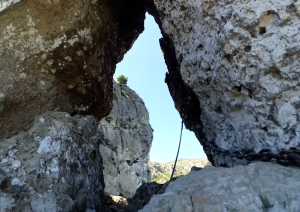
{"type": "Point", "coordinates": [122, 80]}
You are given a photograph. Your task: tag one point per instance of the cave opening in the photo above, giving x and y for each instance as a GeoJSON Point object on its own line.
{"type": "Point", "coordinates": [145, 68]}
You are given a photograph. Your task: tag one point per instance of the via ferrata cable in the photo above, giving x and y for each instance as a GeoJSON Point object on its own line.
{"type": "Point", "coordinates": [175, 159]}
{"type": "Point", "coordinates": [177, 152]}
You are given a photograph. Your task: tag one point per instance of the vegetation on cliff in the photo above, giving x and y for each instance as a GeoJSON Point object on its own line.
{"type": "Point", "coordinates": [161, 172]}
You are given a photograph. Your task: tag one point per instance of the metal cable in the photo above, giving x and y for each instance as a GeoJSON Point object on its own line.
{"type": "Point", "coordinates": [177, 152]}
{"type": "Point", "coordinates": [165, 186]}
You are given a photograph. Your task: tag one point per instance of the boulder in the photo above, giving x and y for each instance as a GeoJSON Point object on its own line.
{"type": "Point", "coordinates": [54, 166]}
{"type": "Point", "coordinates": [233, 71]}
{"type": "Point", "coordinates": [127, 142]}
{"type": "Point", "coordinates": [257, 187]}
{"type": "Point", "coordinates": [61, 56]}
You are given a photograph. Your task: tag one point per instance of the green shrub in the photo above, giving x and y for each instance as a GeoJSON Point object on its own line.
{"type": "Point", "coordinates": [122, 80]}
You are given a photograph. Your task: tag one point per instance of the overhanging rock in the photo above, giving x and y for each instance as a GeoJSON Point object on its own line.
{"type": "Point", "coordinates": [235, 65]}
{"type": "Point", "coordinates": [61, 55]}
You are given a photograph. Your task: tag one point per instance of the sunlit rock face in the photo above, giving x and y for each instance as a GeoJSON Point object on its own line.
{"type": "Point", "coordinates": [126, 144]}
{"type": "Point", "coordinates": [61, 55]}
{"type": "Point", "coordinates": [257, 187]}
{"type": "Point", "coordinates": [54, 166]}
{"type": "Point", "coordinates": [241, 60]}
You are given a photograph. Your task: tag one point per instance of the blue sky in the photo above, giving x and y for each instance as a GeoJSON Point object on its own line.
{"type": "Point", "coordinates": [145, 68]}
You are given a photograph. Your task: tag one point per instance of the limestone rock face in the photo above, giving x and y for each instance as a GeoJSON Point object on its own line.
{"type": "Point", "coordinates": [61, 55]}
{"type": "Point", "coordinates": [240, 59]}
{"type": "Point", "coordinates": [54, 166]}
{"type": "Point", "coordinates": [127, 142]}
{"type": "Point", "coordinates": [256, 187]}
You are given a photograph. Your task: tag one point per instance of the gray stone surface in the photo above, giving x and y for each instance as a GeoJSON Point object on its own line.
{"type": "Point", "coordinates": [54, 166]}
{"type": "Point", "coordinates": [241, 59]}
{"type": "Point", "coordinates": [127, 142]}
{"type": "Point", "coordinates": [61, 55]}
{"type": "Point", "coordinates": [258, 187]}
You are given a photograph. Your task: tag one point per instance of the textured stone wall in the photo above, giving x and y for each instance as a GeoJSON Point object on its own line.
{"type": "Point", "coordinates": [240, 59]}
{"type": "Point", "coordinates": [58, 56]}
{"type": "Point", "coordinates": [126, 144]}
{"type": "Point", "coordinates": [54, 166]}
{"type": "Point", "coordinates": [61, 55]}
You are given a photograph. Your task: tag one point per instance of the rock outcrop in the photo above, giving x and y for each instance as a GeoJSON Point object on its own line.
{"type": "Point", "coordinates": [255, 188]}
{"type": "Point", "coordinates": [161, 172]}
{"type": "Point", "coordinates": [233, 71]}
{"type": "Point", "coordinates": [61, 55]}
{"type": "Point", "coordinates": [54, 166]}
{"type": "Point", "coordinates": [127, 142]}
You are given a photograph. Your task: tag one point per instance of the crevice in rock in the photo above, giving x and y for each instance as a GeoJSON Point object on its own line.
{"type": "Point", "coordinates": [186, 101]}
{"type": "Point", "coordinates": [191, 198]}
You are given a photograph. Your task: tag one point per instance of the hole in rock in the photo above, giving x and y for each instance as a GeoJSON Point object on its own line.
{"type": "Point", "coordinates": [74, 113]}
{"type": "Point", "coordinates": [93, 155]}
{"type": "Point", "coordinates": [199, 47]}
{"type": "Point", "coordinates": [265, 129]}
{"type": "Point", "coordinates": [218, 109]}
{"type": "Point", "coordinates": [274, 72]}
{"type": "Point", "coordinates": [291, 8]}
{"type": "Point", "coordinates": [247, 48]}
{"type": "Point", "coordinates": [228, 57]}
{"type": "Point", "coordinates": [183, 8]}
{"type": "Point", "coordinates": [237, 88]}
{"type": "Point", "coordinates": [262, 30]}
{"type": "Point", "coordinates": [4, 184]}
{"type": "Point", "coordinates": [145, 68]}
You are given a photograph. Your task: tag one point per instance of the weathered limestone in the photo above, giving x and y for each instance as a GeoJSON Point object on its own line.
{"type": "Point", "coordinates": [258, 187]}
{"type": "Point", "coordinates": [241, 61]}
{"type": "Point", "coordinates": [126, 145]}
{"type": "Point", "coordinates": [54, 166]}
{"type": "Point", "coordinates": [61, 55]}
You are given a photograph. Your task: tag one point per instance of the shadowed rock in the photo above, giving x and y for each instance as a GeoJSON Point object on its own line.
{"type": "Point", "coordinates": [233, 72]}
{"type": "Point", "coordinates": [54, 166]}
{"type": "Point", "coordinates": [61, 55]}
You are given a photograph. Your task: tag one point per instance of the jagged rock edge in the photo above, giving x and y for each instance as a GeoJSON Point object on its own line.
{"type": "Point", "coordinates": [186, 101]}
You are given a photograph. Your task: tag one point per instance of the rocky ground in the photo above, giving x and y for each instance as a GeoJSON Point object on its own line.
{"type": "Point", "coordinates": [161, 172]}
